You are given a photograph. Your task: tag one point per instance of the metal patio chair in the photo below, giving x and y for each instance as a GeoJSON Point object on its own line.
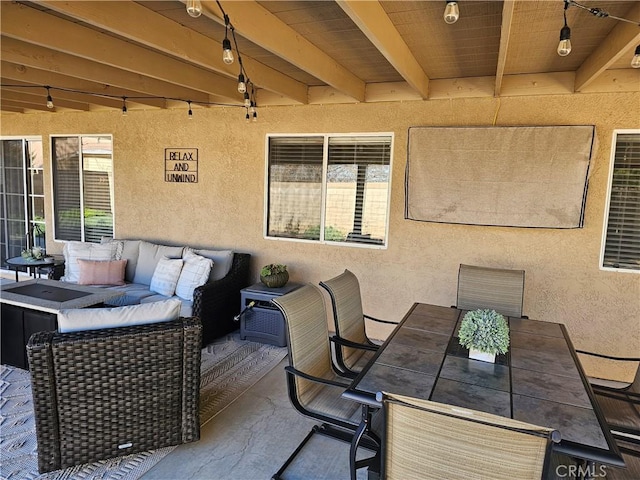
{"type": "Point", "coordinates": [497, 289]}
{"type": "Point", "coordinates": [620, 404]}
{"type": "Point", "coordinates": [314, 387]}
{"type": "Point", "coordinates": [353, 348]}
{"type": "Point", "coordinates": [428, 440]}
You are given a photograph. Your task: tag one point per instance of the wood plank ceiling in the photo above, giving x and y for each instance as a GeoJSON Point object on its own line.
{"type": "Point", "coordinates": [94, 53]}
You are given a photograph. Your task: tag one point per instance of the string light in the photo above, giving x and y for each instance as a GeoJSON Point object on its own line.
{"type": "Point", "coordinates": [49, 99]}
{"type": "Point", "coordinates": [123, 98]}
{"type": "Point", "coordinates": [245, 85]}
{"type": "Point", "coordinates": [451, 12]}
{"type": "Point", "coordinates": [227, 54]}
{"type": "Point", "coordinates": [242, 87]}
{"type": "Point", "coordinates": [635, 61]}
{"type": "Point", "coordinates": [194, 8]}
{"type": "Point", "coordinates": [564, 47]}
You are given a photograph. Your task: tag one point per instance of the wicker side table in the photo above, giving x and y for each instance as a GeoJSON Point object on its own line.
{"type": "Point", "coordinates": [263, 322]}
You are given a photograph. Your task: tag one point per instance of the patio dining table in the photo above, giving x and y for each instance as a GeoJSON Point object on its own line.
{"type": "Point", "coordinates": [539, 380]}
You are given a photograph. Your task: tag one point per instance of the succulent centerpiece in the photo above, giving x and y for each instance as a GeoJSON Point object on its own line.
{"type": "Point", "coordinates": [485, 333]}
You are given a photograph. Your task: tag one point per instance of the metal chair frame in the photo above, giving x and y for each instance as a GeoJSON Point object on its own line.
{"type": "Point", "coordinates": [339, 428]}
{"type": "Point", "coordinates": [338, 339]}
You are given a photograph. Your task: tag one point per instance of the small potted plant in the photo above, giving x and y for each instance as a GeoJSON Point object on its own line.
{"type": "Point", "coordinates": [274, 275]}
{"type": "Point", "coordinates": [485, 333]}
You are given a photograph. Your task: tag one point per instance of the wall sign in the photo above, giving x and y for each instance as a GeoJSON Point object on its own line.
{"type": "Point", "coordinates": [181, 165]}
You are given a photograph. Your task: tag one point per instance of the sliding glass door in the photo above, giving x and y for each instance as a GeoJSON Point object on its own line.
{"type": "Point", "coordinates": [22, 220]}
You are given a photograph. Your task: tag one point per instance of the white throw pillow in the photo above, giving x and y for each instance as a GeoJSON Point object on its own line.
{"type": "Point", "coordinates": [166, 275]}
{"type": "Point", "coordinates": [79, 319]}
{"type": "Point", "coordinates": [86, 251]}
{"type": "Point", "coordinates": [195, 272]}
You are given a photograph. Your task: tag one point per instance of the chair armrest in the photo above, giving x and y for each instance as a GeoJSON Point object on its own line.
{"type": "Point", "coordinates": [292, 371]}
{"type": "Point", "coordinates": [348, 343]}
{"type": "Point", "coordinates": [217, 302]}
{"type": "Point", "coordinates": [380, 321]}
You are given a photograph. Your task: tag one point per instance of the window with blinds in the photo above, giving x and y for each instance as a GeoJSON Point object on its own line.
{"type": "Point", "coordinates": [329, 188]}
{"type": "Point", "coordinates": [621, 245]}
{"type": "Point", "coordinates": [82, 187]}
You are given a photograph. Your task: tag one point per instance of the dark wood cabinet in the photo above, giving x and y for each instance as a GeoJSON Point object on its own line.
{"type": "Point", "coordinates": [17, 324]}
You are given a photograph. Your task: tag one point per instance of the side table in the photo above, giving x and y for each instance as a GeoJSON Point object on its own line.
{"type": "Point", "coordinates": [33, 266]}
{"type": "Point", "coordinates": [263, 322]}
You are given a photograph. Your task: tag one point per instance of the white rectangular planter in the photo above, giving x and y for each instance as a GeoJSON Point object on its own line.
{"type": "Point", "coordinates": [485, 357]}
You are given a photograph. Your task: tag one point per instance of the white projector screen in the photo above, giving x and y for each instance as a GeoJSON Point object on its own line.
{"type": "Point", "coordinates": [501, 176]}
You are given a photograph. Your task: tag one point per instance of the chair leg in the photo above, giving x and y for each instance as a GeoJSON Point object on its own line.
{"type": "Point", "coordinates": [277, 475]}
{"type": "Point", "coordinates": [333, 432]}
{"type": "Point", "coordinates": [358, 439]}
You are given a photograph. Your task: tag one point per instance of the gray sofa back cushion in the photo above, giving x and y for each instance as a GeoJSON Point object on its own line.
{"type": "Point", "coordinates": [148, 257]}
{"type": "Point", "coordinates": [130, 249]}
{"type": "Point", "coordinates": [222, 261]}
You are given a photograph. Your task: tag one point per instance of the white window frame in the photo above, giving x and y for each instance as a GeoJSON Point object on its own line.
{"type": "Point", "coordinates": [605, 223]}
{"type": "Point", "coordinates": [52, 185]}
{"type": "Point", "coordinates": [326, 137]}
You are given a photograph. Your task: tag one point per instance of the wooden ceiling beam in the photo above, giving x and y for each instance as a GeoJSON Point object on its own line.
{"type": "Point", "coordinates": [123, 18]}
{"type": "Point", "coordinates": [6, 108]}
{"type": "Point", "coordinates": [42, 58]}
{"type": "Point", "coordinates": [622, 38]}
{"type": "Point", "coordinates": [505, 35]}
{"type": "Point", "coordinates": [34, 97]}
{"type": "Point", "coordinates": [17, 73]}
{"type": "Point", "coordinates": [374, 22]}
{"type": "Point", "coordinates": [22, 105]}
{"type": "Point", "coordinates": [33, 26]}
{"type": "Point", "coordinates": [257, 24]}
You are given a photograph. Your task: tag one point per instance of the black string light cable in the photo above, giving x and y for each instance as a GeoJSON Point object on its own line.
{"type": "Point", "coordinates": [245, 85]}
{"type": "Point", "coordinates": [564, 47]}
{"type": "Point", "coordinates": [49, 99]}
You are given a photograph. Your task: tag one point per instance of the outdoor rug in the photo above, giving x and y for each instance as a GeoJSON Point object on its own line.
{"type": "Point", "coordinates": [230, 366]}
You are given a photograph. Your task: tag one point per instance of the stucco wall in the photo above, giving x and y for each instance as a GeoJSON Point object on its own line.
{"type": "Point", "coordinates": [226, 207]}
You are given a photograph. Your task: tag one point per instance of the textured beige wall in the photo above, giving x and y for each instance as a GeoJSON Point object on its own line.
{"type": "Point", "coordinates": [226, 208]}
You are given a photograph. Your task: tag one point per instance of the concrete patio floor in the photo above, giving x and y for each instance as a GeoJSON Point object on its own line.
{"type": "Point", "coordinates": [252, 438]}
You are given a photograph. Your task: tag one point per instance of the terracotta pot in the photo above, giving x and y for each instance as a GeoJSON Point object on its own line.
{"type": "Point", "coordinates": [276, 280]}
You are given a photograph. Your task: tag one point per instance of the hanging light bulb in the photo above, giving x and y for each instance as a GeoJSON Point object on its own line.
{"type": "Point", "coordinates": [124, 106]}
{"type": "Point", "coordinates": [227, 53]}
{"type": "Point", "coordinates": [242, 87]}
{"type": "Point", "coordinates": [247, 100]}
{"type": "Point", "coordinates": [190, 111]}
{"type": "Point", "coordinates": [255, 116]}
{"type": "Point", "coordinates": [635, 61]}
{"type": "Point", "coordinates": [564, 47]}
{"type": "Point", "coordinates": [247, 117]}
{"type": "Point", "coordinates": [194, 8]}
{"type": "Point", "coordinates": [252, 108]}
{"type": "Point", "coordinates": [49, 99]}
{"type": "Point", "coordinates": [451, 12]}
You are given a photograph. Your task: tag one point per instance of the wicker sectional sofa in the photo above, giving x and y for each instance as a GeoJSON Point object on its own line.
{"type": "Point", "coordinates": [215, 302]}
